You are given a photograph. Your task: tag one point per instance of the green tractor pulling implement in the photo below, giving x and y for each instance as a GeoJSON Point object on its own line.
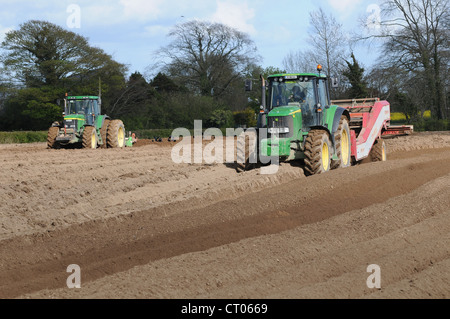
{"type": "Point", "coordinates": [84, 125]}
{"type": "Point", "coordinates": [300, 122]}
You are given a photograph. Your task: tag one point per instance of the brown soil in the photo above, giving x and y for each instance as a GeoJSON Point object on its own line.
{"type": "Point", "coordinates": [141, 226]}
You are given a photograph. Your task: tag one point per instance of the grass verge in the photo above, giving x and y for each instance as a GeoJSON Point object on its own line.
{"type": "Point", "coordinates": [20, 137]}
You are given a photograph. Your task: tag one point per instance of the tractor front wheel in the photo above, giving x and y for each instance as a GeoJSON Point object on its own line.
{"type": "Point", "coordinates": [90, 137]}
{"type": "Point", "coordinates": [317, 152]}
{"type": "Point", "coordinates": [116, 134]}
{"type": "Point", "coordinates": [246, 151]}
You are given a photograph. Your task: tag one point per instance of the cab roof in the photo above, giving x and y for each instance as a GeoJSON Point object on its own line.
{"type": "Point", "coordinates": [83, 97]}
{"type": "Point", "coordinates": [287, 75]}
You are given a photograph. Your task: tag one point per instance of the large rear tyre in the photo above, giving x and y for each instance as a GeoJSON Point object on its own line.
{"type": "Point", "coordinates": [90, 139]}
{"type": "Point", "coordinates": [378, 151]}
{"type": "Point", "coordinates": [343, 144]}
{"type": "Point", "coordinates": [103, 133]}
{"type": "Point", "coordinates": [51, 137]}
{"type": "Point", "coordinates": [246, 151]}
{"type": "Point", "coordinates": [116, 134]}
{"type": "Point", "coordinates": [317, 152]}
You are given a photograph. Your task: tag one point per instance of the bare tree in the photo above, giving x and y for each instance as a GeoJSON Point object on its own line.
{"type": "Point", "coordinates": [299, 61]}
{"type": "Point", "coordinates": [328, 45]}
{"type": "Point", "coordinates": [207, 57]}
{"type": "Point", "coordinates": [416, 39]}
{"type": "Point", "coordinates": [328, 40]}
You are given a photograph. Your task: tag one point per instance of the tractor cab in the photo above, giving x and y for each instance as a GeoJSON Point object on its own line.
{"type": "Point", "coordinates": [302, 93]}
{"type": "Point", "coordinates": [85, 108]}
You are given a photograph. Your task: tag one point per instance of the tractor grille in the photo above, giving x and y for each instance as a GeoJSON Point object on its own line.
{"type": "Point", "coordinates": [281, 122]}
{"type": "Point", "coordinates": [70, 126]}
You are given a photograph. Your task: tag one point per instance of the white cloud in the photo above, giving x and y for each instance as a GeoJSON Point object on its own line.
{"type": "Point", "coordinates": [99, 15]}
{"type": "Point", "coordinates": [3, 32]}
{"type": "Point", "coordinates": [344, 5]}
{"type": "Point", "coordinates": [157, 30]}
{"type": "Point", "coordinates": [344, 9]}
{"type": "Point", "coordinates": [142, 9]}
{"type": "Point", "coordinates": [280, 35]}
{"type": "Point", "coordinates": [235, 14]}
{"type": "Point", "coordinates": [108, 13]}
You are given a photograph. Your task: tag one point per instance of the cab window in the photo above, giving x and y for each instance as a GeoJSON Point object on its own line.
{"type": "Point", "coordinates": [323, 97]}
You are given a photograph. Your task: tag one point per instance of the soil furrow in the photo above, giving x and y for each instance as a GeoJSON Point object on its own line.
{"type": "Point", "coordinates": [104, 248]}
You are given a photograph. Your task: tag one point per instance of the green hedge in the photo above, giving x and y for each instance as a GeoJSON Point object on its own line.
{"type": "Point", "coordinates": [431, 125]}
{"type": "Point", "coordinates": [23, 137]}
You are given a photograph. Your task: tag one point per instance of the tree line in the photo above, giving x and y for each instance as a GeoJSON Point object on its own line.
{"type": "Point", "coordinates": [201, 72]}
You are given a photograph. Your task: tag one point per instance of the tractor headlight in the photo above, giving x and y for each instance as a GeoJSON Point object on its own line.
{"type": "Point", "coordinates": [278, 130]}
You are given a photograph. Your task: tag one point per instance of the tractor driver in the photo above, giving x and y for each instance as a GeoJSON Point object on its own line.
{"type": "Point", "coordinates": [88, 107]}
{"type": "Point", "coordinates": [297, 95]}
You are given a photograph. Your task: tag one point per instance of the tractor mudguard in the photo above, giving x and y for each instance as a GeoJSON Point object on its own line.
{"type": "Point", "coordinates": [104, 118]}
{"type": "Point", "coordinates": [337, 118]}
{"type": "Point", "coordinates": [321, 128]}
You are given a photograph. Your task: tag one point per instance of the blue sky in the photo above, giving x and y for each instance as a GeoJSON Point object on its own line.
{"type": "Point", "coordinates": [132, 30]}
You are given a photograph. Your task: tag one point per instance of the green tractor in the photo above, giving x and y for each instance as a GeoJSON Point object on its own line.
{"type": "Point", "coordinates": [298, 122]}
{"type": "Point", "coordinates": [84, 125]}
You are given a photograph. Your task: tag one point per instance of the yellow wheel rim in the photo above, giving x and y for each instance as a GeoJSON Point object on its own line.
{"type": "Point", "coordinates": [325, 157]}
{"type": "Point", "coordinates": [345, 147]}
{"type": "Point", "coordinates": [121, 137]}
{"type": "Point", "coordinates": [93, 140]}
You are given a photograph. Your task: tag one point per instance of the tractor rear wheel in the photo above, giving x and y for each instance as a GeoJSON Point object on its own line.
{"type": "Point", "coordinates": [246, 151]}
{"type": "Point", "coordinates": [51, 136]}
{"type": "Point", "coordinates": [342, 140]}
{"type": "Point", "coordinates": [378, 151]}
{"type": "Point", "coordinates": [317, 152]}
{"type": "Point", "coordinates": [90, 139]}
{"type": "Point", "coordinates": [103, 133]}
{"type": "Point", "coordinates": [115, 135]}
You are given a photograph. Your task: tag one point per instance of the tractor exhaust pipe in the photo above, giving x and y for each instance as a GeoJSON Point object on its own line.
{"type": "Point", "coordinates": [263, 93]}
{"type": "Point", "coordinates": [261, 121]}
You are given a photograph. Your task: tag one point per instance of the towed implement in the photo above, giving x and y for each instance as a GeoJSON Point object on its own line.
{"type": "Point", "coordinates": [85, 126]}
{"type": "Point", "coordinates": [299, 121]}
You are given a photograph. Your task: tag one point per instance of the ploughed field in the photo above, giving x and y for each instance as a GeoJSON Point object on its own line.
{"type": "Point", "coordinates": [141, 226]}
